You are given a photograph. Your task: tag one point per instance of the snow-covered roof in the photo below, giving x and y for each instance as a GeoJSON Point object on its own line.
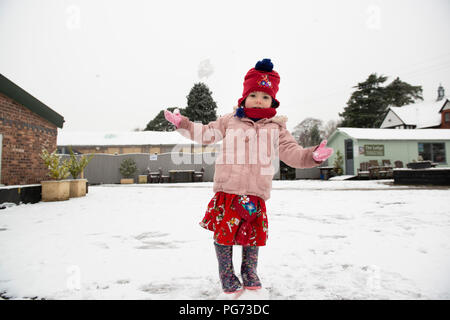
{"type": "Point", "coordinates": [67, 138]}
{"type": "Point", "coordinates": [394, 134]}
{"type": "Point", "coordinates": [422, 114]}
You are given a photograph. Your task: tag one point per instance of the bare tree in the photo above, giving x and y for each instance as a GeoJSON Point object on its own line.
{"type": "Point", "coordinates": [303, 131]}
{"type": "Point", "coordinates": [330, 127]}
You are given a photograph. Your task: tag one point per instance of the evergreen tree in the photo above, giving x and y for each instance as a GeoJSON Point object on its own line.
{"type": "Point", "coordinates": [399, 93]}
{"type": "Point", "coordinates": [368, 105]}
{"type": "Point", "coordinates": [200, 105]}
{"type": "Point", "coordinates": [159, 123]}
{"type": "Point", "coordinates": [128, 168]}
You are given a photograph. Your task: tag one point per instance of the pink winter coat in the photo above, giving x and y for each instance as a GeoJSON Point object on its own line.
{"type": "Point", "coordinates": [250, 152]}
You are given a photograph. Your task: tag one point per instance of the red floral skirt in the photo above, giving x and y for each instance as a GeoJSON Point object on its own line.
{"type": "Point", "coordinates": [223, 218]}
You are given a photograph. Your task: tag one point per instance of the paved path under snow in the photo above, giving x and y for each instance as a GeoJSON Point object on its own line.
{"type": "Point", "coordinates": [327, 240]}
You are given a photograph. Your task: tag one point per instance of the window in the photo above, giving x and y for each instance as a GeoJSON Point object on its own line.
{"type": "Point", "coordinates": [432, 151]}
{"type": "Point", "coordinates": [447, 116]}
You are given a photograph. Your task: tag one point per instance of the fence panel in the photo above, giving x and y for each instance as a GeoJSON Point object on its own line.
{"type": "Point", "coordinates": [104, 168]}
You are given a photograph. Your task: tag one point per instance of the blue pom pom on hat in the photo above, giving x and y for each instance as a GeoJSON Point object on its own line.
{"type": "Point", "coordinates": [264, 65]}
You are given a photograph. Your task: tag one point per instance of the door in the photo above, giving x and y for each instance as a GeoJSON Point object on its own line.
{"type": "Point", "coordinates": [349, 168]}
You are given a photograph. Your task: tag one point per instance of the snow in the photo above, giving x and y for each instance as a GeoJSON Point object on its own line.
{"type": "Point", "coordinates": [327, 240]}
{"type": "Point", "coordinates": [395, 134]}
{"type": "Point", "coordinates": [341, 178]}
{"type": "Point", "coordinates": [118, 138]}
{"type": "Point", "coordinates": [423, 114]}
{"type": "Point", "coordinates": [19, 186]}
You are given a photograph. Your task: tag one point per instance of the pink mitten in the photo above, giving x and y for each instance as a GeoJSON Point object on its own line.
{"type": "Point", "coordinates": [322, 153]}
{"type": "Point", "coordinates": [174, 118]}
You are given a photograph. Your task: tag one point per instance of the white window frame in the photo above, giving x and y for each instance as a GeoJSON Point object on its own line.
{"type": "Point", "coordinates": [431, 143]}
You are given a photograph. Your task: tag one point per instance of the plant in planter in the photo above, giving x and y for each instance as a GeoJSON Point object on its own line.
{"type": "Point", "coordinates": [128, 169]}
{"type": "Point", "coordinates": [338, 164]}
{"type": "Point", "coordinates": [76, 167]}
{"type": "Point", "coordinates": [59, 188]}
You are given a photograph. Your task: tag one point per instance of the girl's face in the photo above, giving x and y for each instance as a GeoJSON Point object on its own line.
{"type": "Point", "coordinates": [258, 99]}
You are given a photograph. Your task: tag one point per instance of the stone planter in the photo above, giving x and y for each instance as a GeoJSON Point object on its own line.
{"type": "Point", "coordinates": [78, 188]}
{"type": "Point", "coordinates": [142, 178]}
{"type": "Point", "coordinates": [55, 190]}
{"type": "Point", "coordinates": [127, 181]}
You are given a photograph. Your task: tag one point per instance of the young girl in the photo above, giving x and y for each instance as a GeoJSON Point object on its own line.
{"type": "Point", "coordinates": [253, 138]}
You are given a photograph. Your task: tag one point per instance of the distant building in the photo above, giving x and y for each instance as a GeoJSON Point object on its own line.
{"type": "Point", "coordinates": [152, 142]}
{"type": "Point", "coordinates": [426, 114]}
{"type": "Point", "coordinates": [26, 127]}
{"type": "Point", "coordinates": [361, 145]}
{"type": "Point", "coordinates": [151, 150]}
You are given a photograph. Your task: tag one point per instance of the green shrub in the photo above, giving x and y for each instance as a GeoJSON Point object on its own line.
{"type": "Point", "coordinates": [58, 169]}
{"type": "Point", "coordinates": [128, 168]}
{"type": "Point", "coordinates": [76, 166]}
{"type": "Point", "coordinates": [338, 164]}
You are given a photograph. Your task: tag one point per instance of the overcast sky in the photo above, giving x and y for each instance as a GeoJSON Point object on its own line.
{"type": "Point", "coordinates": [113, 65]}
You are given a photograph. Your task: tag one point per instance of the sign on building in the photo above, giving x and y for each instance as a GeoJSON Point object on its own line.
{"type": "Point", "coordinates": [374, 149]}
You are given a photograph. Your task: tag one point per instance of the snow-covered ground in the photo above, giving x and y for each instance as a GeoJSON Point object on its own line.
{"type": "Point", "coordinates": [327, 240]}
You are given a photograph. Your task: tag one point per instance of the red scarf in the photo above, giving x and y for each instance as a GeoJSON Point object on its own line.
{"type": "Point", "coordinates": [260, 113]}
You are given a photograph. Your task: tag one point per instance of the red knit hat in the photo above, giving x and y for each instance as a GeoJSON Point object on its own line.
{"type": "Point", "coordinates": [261, 78]}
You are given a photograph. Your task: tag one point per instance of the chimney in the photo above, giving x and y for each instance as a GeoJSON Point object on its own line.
{"type": "Point", "coordinates": [441, 93]}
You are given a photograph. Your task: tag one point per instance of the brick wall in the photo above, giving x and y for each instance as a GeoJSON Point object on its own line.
{"type": "Point", "coordinates": [445, 125]}
{"type": "Point", "coordinates": [24, 135]}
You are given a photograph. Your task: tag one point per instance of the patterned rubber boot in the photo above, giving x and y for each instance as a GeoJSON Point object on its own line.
{"type": "Point", "coordinates": [230, 282]}
{"type": "Point", "coordinates": [248, 268]}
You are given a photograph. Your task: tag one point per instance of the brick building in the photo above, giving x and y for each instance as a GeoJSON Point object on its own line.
{"type": "Point", "coordinates": [26, 127]}
{"type": "Point", "coordinates": [445, 115]}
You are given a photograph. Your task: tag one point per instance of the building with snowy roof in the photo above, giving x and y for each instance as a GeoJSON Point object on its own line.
{"type": "Point", "coordinates": [153, 142]}
{"type": "Point", "coordinates": [27, 126]}
{"type": "Point", "coordinates": [359, 145]}
{"type": "Point", "coordinates": [151, 150]}
{"type": "Point", "coordinates": [425, 114]}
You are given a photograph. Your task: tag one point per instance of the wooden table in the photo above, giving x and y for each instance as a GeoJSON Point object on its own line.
{"type": "Point", "coordinates": [181, 175]}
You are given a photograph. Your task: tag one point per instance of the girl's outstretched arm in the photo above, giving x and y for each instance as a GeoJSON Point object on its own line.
{"type": "Point", "coordinates": [296, 156]}
{"type": "Point", "coordinates": [204, 134]}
